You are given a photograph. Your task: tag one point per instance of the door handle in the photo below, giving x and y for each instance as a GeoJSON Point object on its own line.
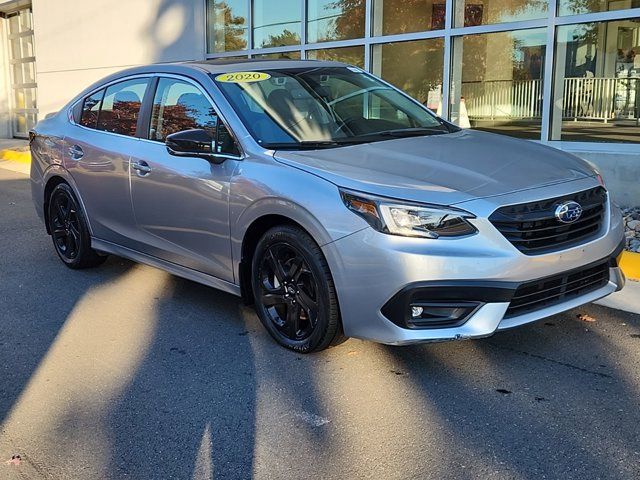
{"type": "Point", "coordinates": [141, 167]}
{"type": "Point", "coordinates": [76, 152]}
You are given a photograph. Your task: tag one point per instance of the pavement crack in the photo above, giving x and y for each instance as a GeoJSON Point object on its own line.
{"type": "Point", "coordinates": [547, 359]}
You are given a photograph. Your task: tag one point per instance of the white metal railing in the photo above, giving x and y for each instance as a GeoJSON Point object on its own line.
{"type": "Point", "coordinates": [503, 99]}
{"type": "Point", "coordinates": [599, 98]}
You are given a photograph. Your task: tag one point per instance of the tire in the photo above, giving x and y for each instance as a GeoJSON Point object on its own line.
{"type": "Point", "coordinates": [293, 291]}
{"type": "Point", "coordinates": [69, 230]}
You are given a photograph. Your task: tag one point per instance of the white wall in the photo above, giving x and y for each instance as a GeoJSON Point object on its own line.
{"type": "Point", "coordinates": [80, 41]}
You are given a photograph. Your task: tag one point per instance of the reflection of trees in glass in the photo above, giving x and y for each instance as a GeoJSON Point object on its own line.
{"type": "Point", "coordinates": [230, 30]}
{"type": "Point", "coordinates": [287, 37]}
{"type": "Point", "coordinates": [347, 23]}
{"type": "Point", "coordinates": [122, 118]}
{"type": "Point", "coordinates": [350, 55]}
{"type": "Point", "coordinates": [574, 7]}
{"type": "Point", "coordinates": [177, 118]}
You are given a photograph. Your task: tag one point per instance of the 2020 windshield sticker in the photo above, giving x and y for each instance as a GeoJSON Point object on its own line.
{"type": "Point", "coordinates": [242, 77]}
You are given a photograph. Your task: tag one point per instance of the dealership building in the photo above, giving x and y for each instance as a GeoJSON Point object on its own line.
{"type": "Point", "coordinates": [563, 73]}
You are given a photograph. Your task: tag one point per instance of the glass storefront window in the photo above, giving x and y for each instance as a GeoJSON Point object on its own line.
{"type": "Point", "coordinates": [576, 7]}
{"type": "Point", "coordinates": [295, 55]}
{"type": "Point", "coordinates": [228, 28]}
{"type": "Point", "coordinates": [415, 67]}
{"type": "Point", "coordinates": [329, 20]}
{"type": "Point", "coordinates": [350, 55]}
{"type": "Point", "coordinates": [470, 13]}
{"type": "Point", "coordinates": [407, 16]}
{"type": "Point", "coordinates": [276, 25]}
{"type": "Point", "coordinates": [497, 82]}
{"type": "Point", "coordinates": [597, 82]}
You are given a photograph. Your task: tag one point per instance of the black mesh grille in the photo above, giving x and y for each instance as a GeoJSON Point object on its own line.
{"type": "Point", "coordinates": [548, 291]}
{"type": "Point", "coordinates": [533, 228]}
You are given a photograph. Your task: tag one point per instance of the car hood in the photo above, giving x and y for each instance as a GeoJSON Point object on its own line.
{"type": "Point", "coordinates": [442, 169]}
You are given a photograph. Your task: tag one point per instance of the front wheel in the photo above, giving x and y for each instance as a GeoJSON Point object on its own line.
{"type": "Point", "coordinates": [294, 294]}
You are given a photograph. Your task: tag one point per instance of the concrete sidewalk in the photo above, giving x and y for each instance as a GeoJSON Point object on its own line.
{"type": "Point", "coordinates": [14, 144]}
{"type": "Point", "coordinates": [627, 299]}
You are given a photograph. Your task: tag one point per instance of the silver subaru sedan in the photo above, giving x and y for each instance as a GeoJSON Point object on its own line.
{"type": "Point", "coordinates": [332, 201]}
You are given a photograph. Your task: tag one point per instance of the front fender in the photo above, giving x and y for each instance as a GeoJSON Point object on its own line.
{"type": "Point", "coordinates": [270, 188]}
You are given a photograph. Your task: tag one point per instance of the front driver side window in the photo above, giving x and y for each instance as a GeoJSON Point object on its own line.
{"type": "Point", "coordinates": [179, 106]}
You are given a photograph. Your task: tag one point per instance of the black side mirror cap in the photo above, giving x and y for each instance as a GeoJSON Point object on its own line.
{"type": "Point", "coordinates": [193, 143]}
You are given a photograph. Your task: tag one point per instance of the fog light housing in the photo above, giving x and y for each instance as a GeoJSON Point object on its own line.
{"type": "Point", "coordinates": [440, 314]}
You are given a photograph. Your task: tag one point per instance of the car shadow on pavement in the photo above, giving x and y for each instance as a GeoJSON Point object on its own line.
{"type": "Point", "coordinates": [190, 409]}
{"type": "Point", "coordinates": [37, 292]}
{"type": "Point", "coordinates": [193, 409]}
{"type": "Point", "coordinates": [561, 402]}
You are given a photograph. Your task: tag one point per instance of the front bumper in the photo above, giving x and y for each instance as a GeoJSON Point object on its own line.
{"type": "Point", "coordinates": [371, 270]}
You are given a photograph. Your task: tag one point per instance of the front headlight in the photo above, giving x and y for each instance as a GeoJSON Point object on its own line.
{"type": "Point", "coordinates": [407, 219]}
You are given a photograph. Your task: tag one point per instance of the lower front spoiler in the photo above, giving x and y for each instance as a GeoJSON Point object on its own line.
{"type": "Point", "coordinates": [489, 318]}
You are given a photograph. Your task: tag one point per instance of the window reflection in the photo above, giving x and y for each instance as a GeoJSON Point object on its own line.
{"type": "Point", "coordinates": [575, 7]}
{"type": "Point", "coordinates": [406, 16]}
{"type": "Point", "coordinates": [497, 82]}
{"type": "Point", "coordinates": [470, 13]}
{"type": "Point", "coordinates": [276, 25]}
{"type": "Point", "coordinates": [121, 106]}
{"type": "Point", "coordinates": [227, 25]}
{"type": "Point", "coordinates": [179, 106]}
{"type": "Point", "coordinates": [597, 82]}
{"type": "Point", "coordinates": [295, 55]}
{"type": "Point", "coordinates": [350, 55]}
{"type": "Point", "coordinates": [335, 20]}
{"type": "Point", "coordinates": [415, 67]}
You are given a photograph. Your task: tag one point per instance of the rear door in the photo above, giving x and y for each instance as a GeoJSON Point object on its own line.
{"type": "Point", "coordinates": [181, 204]}
{"type": "Point", "coordinates": [97, 152]}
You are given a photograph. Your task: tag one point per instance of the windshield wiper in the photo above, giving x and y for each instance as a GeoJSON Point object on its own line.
{"type": "Point", "coordinates": [413, 132]}
{"type": "Point", "coordinates": [310, 145]}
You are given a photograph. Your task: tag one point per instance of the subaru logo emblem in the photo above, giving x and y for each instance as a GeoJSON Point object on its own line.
{"type": "Point", "coordinates": [568, 212]}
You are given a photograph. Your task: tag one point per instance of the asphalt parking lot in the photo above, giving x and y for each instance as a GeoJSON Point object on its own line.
{"type": "Point", "coordinates": [128, 372]}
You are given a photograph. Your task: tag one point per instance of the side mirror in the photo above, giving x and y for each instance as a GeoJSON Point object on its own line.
{"type": "Point", "coordinates": [193, 143]}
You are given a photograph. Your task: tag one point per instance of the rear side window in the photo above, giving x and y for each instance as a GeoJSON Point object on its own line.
{"type": "Point", "coordinates": [121, 107]}
{"type": "Point", "coordinates": [90, 109]}
{"type": "Point", "coordinates": [179, 106]}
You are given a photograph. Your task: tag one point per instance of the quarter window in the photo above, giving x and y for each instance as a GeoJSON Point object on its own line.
{"type": "Point", "coordinates": [90, 109]}
{"type": "Point", "coordinates": [179, 106]}
{"type": "Point", "coordinates": [121, 107]}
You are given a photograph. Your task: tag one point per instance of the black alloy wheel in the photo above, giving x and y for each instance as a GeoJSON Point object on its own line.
{"type": "Point", "coordinates": [69, 231]}
{"type": "Point", "coordinates": [293, 291]}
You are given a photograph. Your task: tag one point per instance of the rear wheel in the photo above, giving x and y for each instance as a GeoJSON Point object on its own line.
{"type": "Point", "coordinates": [69, 230]}
{"type": "Point", "coordinates": [294, 294]}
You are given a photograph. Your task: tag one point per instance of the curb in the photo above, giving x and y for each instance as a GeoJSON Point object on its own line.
{"type": "Point", "coordinates": [15, 156]}
{"type": "Point", "coordinates": [630, 265]}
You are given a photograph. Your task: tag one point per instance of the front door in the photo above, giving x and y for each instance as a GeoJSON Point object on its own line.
{"type": "Point", "coordinates": [181, 204]}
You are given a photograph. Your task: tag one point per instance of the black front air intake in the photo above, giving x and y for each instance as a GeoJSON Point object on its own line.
{"type": "Point", "coordinates": [548, 291]}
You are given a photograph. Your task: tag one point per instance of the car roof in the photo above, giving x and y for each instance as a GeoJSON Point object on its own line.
{"type": "Point", "coordinates": [236, 65]}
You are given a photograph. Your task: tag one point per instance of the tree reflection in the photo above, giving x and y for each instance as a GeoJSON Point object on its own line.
{"type": "Point", "coordinates": [229, 30]}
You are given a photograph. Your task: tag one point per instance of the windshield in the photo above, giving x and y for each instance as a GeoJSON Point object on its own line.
{"type": "Point", "coordinates": [323, 107]}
